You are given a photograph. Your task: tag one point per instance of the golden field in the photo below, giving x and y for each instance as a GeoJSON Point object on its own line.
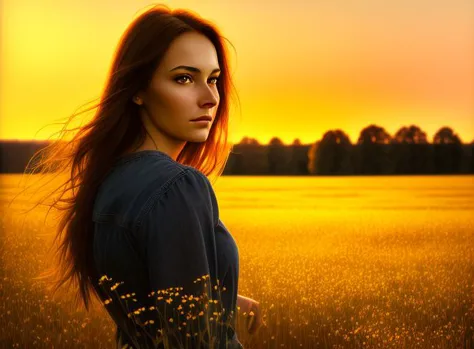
{"type": "Point", "coordinates": [335, 262]}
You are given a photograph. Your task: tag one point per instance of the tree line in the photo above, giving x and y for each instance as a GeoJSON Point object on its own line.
{"type": "Point", "coordinates": [376, 152]}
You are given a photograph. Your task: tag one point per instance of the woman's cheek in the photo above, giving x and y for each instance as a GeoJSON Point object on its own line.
{"type": "Point", "coordinates": [176, 99]}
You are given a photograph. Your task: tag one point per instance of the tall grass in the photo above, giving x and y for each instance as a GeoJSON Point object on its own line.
{"type": "Point", "coordinates": [354, 265]}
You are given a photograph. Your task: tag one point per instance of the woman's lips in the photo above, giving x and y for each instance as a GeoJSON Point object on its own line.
{"type": "Point", "coordinates": [202, 121]}
{"type": "Point", "coordinates": [203, 118]}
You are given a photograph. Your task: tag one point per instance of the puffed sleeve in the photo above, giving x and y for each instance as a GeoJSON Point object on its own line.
{"type": "Point", "coordinates": [177, 230]}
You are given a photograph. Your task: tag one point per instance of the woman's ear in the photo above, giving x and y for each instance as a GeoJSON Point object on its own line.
{"type": "Point", "coordinates": [138, 100]}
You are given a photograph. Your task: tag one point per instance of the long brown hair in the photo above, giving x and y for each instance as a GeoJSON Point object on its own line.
{"type": "Point", "coordinates": [116, 127]}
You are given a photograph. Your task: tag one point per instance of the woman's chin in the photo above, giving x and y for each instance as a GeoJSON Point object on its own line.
{"type": "Point", "coordinates": [198, 137]}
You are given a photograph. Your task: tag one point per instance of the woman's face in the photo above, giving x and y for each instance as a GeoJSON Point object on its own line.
{"type": "Point", "coordinates": [183, 87]}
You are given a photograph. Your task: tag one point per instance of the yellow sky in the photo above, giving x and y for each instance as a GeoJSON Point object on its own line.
{"type": "Point", "coordinates": [300, 69]}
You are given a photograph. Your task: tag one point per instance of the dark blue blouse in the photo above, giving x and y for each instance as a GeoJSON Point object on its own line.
{"type": "Point", "coordinates": [157, 227]}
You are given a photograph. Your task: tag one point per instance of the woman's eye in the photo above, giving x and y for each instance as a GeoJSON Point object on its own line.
{"type": "Point", "coordinates": [182, 77]}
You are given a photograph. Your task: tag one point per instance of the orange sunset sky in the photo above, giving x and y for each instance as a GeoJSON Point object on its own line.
{"type": "Point", "coordinates": [301, 67]}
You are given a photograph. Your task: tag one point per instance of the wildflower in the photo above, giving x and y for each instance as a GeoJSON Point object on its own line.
{"type": "Point", "coordinates": [117, 284]}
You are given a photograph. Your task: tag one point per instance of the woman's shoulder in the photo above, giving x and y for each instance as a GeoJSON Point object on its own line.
{"type": "Point", "coordinates": [187, 188]}
{"type": "Point", "coordinates": [134, 181]}
{"type": "Point", "coordinates": [154, 163]}
{"type": "Point", "coordinates": [161, 174]}
{"type": "Point", "coordinates": [184, 182]}
{"type": "Point", "coordinates": [153, 175]}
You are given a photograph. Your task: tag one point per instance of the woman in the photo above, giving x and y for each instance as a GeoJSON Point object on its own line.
{"type": "Point", "coordinates": [143, 221]}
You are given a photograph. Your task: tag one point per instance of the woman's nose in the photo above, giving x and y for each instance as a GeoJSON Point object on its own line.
{"type": "Point", "coordinates": [210, 96]}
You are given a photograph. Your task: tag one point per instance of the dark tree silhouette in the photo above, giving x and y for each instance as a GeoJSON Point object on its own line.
{"type": "Point", "coordinates": [332, 155]}
{"type": "Point", "coordinates": [249, 141]}
{"type": "Point", "coordinates": [373, 134]}
{"type": "Point", "coordinates": [299, 158]}
{"type": "Point", "coordinates": [312, 153]}
{"type": "Point", "coordinates": [246, 158]}
{"type": "Point", "coordinates": [470, 166]}
{"type": "Point", "coordinates": [411, 134]}
{"type": "Point", "coordinates": [276, 141]}
{"type": "Point", "coordinates": [276, 156]}
{"type": "Point", "coordinates": [296, 142]}
{"type": "Point", "coordinates": [372, 154]}
{"type": "Point", "coordinates": [17, 156]}
{"type": "Point", "coordinates": [448, 151]}
{"type": "Point", "coordinates": [445, 135]}
{"type": "Point", "coordinates": [411, 153]}
{"type": "Point", "coordinates": [235, 164]}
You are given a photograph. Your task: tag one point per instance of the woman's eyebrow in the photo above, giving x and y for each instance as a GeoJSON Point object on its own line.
{"type": "Point", "coordinates": [193, 69]}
